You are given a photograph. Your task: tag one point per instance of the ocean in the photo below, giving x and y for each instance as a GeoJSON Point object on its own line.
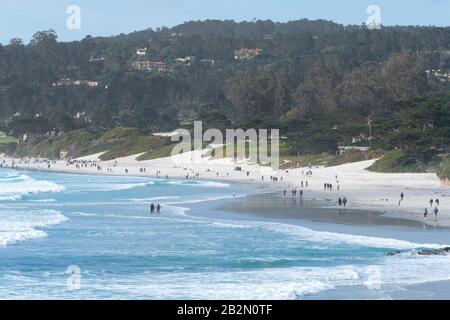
{"type": "Point", "coordinates": [66, 236]}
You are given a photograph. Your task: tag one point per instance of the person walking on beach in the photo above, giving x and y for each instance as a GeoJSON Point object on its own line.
{"type": "Point", "coordinates": [425, 213]}
{"type": "Point", "coordinates": [402, 196]}
{"type": "Point", "coordinates": [437, 202]}
{"type": "Point", "coordinates": [340, 202]}
{"type": "Point", "coordinates": [431, 203]}
{"type": "Point", "coordinates": [344, 201]}
{"type": "Point", "coordinates": [436, 211]}
{"type": "Point", "coordinates": [158, 208]}
{"type": "Point", "coordinates": [152, 208]}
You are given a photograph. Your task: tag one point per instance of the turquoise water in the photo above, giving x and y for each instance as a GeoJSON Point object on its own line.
{"type": "Point", "coordinates": [79, 237]}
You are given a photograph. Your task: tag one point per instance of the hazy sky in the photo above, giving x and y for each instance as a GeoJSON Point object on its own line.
{"type": "Point", "coordinates": [21, 18]}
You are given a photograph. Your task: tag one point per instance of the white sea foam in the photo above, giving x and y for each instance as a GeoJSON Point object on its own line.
{"type": "Point", "coordinates": [11, 198]}
{"type": "Point", "coordinates": [119, 186]}
{"type": "Point", "coordinates": [15, 186]}
{"type": "Point", "coordinates": [336, 238]}
{"type": "Point", "coordinates": [198, 183]}
{"type": "Point", "coordinates": [331, 238]}
{"type": "Point", "coordinates": [283, 283]}
{"type": "Point", "coordinates": [18, 225]}
{"type": "Point", "coordinates": [213, 184]}
{"type": "Point", "coordinates": [153, 199]}
{"type": "Point", "coordinates": [44, 200]}
{"type": "Point", "coordinates": [206, 199]}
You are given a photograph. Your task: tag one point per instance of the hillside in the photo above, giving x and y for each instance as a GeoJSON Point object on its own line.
{"type": "Point", "coordinates": [302, 68]}
{"type": "Point", "coordinates": [115, 143]}
{"type": "Point", "coordinates": [317, 81]}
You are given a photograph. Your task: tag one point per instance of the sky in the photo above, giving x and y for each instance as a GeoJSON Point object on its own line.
{"type": "Point", "coordinates": [22, 18]}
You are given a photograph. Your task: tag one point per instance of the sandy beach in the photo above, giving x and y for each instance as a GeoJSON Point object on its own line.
{"type": "Point", "coordinates": [364, 190]}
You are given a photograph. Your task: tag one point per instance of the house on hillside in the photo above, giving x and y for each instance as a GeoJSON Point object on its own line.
{"type": "Point", "coordinates": [141, 65]}
{"type": "Point", "coordinates": [141, 52]}
{"type": "Point", "coordinates": [344, 149]}
{"type": "Point", "coordinates": [96, 59]}
{"type": "Point", "coordinates": [147, 65]}
{"type": "Point", "coordinates": [187, 59]}
{"type": "Point", "coordinates": [89, 83]}
{"type": "Point", "coordinates": [439, 74]}
{"type": "Point", "coordinates": [246, 54]}
{"type": "Point", "coordinates": [158, 66]}
{"type": "Point", "coordinates": [208, 62]}
{"type": "Point", "coordinates": [75, 83]}
{"type": "Point", "coordinates": [63, 83]}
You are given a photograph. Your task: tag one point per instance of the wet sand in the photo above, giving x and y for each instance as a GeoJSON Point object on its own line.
{"type": "Point", "coordinates": [275, 205]}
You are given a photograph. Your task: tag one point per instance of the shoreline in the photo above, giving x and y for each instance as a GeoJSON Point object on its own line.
{"type": "Point", "coordinates": [227, 210]}
{"type": "Point", "coordinates": [427, 290]}
{"type": "Point", "coordinates": [365, 190]}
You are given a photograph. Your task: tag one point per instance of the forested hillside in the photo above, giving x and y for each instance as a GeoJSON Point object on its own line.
{"type": "Point", "coordinates": [316, 80]}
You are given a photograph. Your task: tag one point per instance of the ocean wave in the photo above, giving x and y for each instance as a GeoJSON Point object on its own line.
{"type": "Point", "coordinates": [330, 238]}
{"type": "Point", "coordinates": [44, 200]}
{"type": "Point", "coordinates": [14, 186]}
{"type": "Point", "coordinates": [17, 225]}
{"type": "Point", "coordinates": [11, 198]}
{"type": "Point", "coordinates": [152, 199]}
{"type": "Point", "coordinates": [206, 199]}
{"type": "Point", "coordinates": [293, 283]}
{"type": "Point", "coordinates": [196, 183]}
{"type": "Point", "coordinates": [118, 186]}
{"type": "Point", "coordinates": [336, 238]}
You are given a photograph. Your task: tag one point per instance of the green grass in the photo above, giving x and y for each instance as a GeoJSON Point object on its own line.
{"type": "Point", "coordinates": [5, 139]}
{"type": "Point", "coordinates": [115, 143]}
{"type": "Point", "coordinates": [289, 161]}
{"type": "Point", "coordinates": [397, 161]}
{"type": "Point", "coordinates": [306, 160]}
{"type": "Point", "coordinates": [135, 144]}
{"type": "Point", "coordinates": [403, 162]}
{"type": "Point", "coordinates": [352, 156]}
{"type": "Point", "coordinates": [76, 143]}
{"type": "Point", "coordinates": [443, 169]}
{"type": "Point", "coordinates": [118, 133]}
{"type": "Point", "coordinates": [157, 152]}
{"type": "Point", "coordinates": [248, 149]}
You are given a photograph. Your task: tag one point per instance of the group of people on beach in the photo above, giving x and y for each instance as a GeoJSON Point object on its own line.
{"type": "Point", "coordinates": [328, 186]}
{"type": "Point", "coordinates": [155, 209]}
{"type": "Point", "coordinates": [435, 211]}
{"type": "Point", "coordinates": [294, 193]}
{"type": "Point", "coordinates": [307, 173]}
{"type": "Point", "coordinates": [342, 202]}
{"type": "Point", "coordinates": [426, 212]}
